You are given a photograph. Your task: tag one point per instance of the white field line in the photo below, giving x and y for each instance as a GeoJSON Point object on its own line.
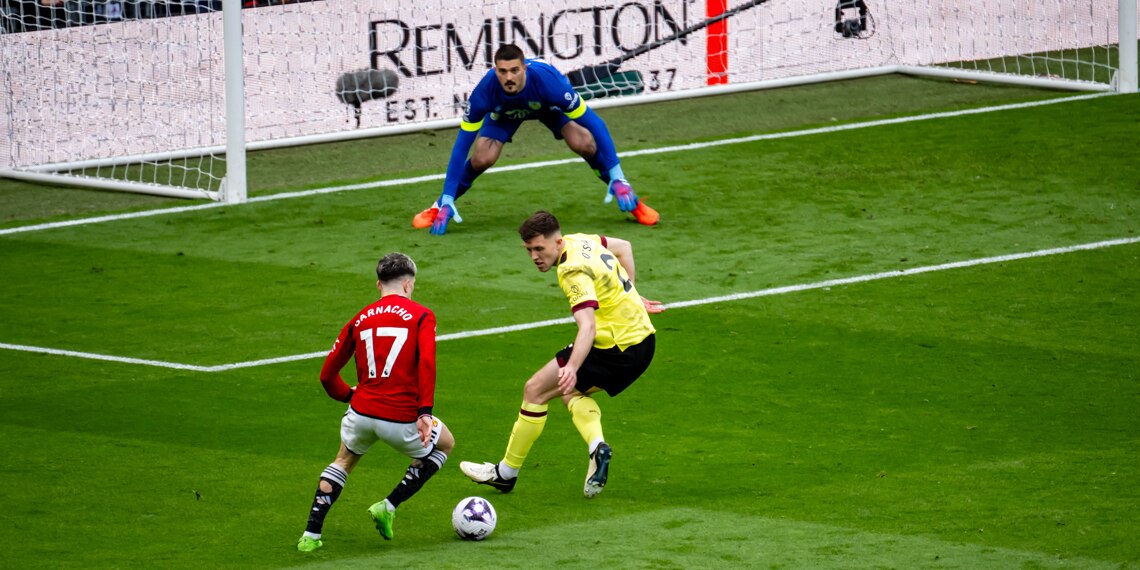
{"type": "Point", "coordinates": [104, 357]}
{"type": "Point", "coordinates": [544, 164]}
{"type": "Point", "coordinates": [568, 320]}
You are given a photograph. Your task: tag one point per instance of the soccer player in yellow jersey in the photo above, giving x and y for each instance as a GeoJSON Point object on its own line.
{"type": "Point", "coordinates": [613, 347]}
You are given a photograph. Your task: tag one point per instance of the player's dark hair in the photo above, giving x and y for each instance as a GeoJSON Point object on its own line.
{"type": "Point", "coordinates": [507, 52]}
{"type": "Point", "coordinates": [541, 223]}
{"type": "Point", "coordinates": [394, 266]}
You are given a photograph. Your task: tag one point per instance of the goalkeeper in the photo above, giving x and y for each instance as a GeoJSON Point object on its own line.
{"type": "Point", "coordinates": [517, 90]}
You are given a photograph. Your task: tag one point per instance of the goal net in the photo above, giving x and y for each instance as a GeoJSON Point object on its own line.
{"type": "Point", "coordinates": [130, 94]}
{"type": "Point", "coordinates": [111, 95]}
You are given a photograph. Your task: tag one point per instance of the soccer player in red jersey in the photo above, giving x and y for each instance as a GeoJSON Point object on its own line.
{"type": "Point", "coordinates": [393, 343]}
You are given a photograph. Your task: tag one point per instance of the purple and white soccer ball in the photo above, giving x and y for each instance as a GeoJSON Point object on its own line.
{"type": "Point", "coordinates": [473, 518]}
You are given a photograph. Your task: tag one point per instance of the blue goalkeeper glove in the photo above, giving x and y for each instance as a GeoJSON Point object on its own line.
{"type": "Point", "coordinates": [447, 210]}
{"type": "Point", "coordinates": [620, 188]}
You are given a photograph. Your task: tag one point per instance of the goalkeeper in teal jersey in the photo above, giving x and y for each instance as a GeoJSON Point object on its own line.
{"type": "Point", "coordinates": [517, 90]}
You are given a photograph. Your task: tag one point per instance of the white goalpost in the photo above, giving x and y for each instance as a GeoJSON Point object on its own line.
{"type": "Point", "coordinates": [166, 96]}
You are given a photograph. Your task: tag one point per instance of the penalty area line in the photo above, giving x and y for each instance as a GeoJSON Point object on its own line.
{"type": "Point", "coordinates": [568, 320]}
{"type": "Point", "coordinates": [103, 357]}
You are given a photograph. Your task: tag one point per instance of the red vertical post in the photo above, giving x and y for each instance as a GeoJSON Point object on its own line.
{"type": "Point", "coordinates": [716, 46]}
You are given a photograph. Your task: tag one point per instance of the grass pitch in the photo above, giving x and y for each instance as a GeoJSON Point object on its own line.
{"type": "Point", "coordinates": [982, 416]}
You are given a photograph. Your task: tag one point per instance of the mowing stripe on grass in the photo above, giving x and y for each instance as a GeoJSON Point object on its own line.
{"type": "Point", "coordinates": [567, 320]}
{"type": "Point", "coordinates": [706, 538]}
{"type": "Point", "coordinates": [544, 164]}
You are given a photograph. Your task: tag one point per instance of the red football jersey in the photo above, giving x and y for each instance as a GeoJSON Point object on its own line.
{"type": "Point", "coordinates": [393, 341]}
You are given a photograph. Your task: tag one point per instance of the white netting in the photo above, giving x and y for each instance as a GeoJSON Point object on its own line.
{"type": "Point", "coordinates": [150, 86]}
{"type": "Point", "coordinates": [87, 92]}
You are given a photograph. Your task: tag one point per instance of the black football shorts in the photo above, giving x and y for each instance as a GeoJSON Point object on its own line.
{"type": "Point", "coordinates": [611, 369]}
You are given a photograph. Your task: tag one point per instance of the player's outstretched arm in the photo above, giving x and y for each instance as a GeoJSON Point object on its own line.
{"type": "Point", "coordinates": [624, 252]}
{"type": "Point", "coordinates": [607, 151]}
{"type": "Point", "coordinates": [607, 157]}
{"type": "Point", "coordinates": [459, 152]}
{"type": "Point", "coordinates": [455, 166]}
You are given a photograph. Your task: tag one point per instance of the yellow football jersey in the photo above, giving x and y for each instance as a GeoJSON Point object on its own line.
{"type": "Point", "coordinates": [590, 276]}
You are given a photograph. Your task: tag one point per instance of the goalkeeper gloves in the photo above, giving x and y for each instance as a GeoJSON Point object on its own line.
{"type": "Point", "coordinates": [447, 210]}
{"type": "Point", "coordinates": [620, 188]}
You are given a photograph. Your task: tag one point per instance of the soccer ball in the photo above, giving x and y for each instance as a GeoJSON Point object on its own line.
{"type": "Point", "coordinates": [473, 518]}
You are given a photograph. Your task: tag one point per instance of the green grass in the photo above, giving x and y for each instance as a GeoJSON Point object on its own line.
{"type": "Point", "coordinates": [979, 417]}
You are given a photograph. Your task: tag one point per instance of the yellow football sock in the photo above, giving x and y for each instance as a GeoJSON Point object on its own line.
{"type": "Point", "coordinates": [587, 418]}
{"type": "Point", "coordinates": [528, 426]}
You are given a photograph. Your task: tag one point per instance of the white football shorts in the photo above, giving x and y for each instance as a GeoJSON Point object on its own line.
{"type": "Point", "coordinates": [359, 433]}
